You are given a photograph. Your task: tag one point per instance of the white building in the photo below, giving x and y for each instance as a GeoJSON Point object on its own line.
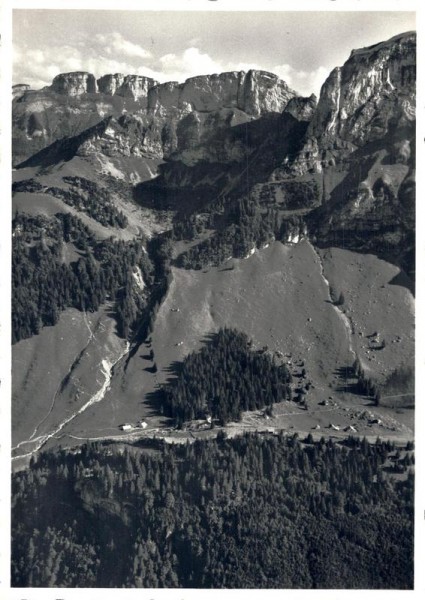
{"type": "Point", "coordinates": [126, 427]}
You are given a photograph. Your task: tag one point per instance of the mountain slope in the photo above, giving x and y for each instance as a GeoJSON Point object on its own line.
{"type": "Point", "coordinates": [210, 170]}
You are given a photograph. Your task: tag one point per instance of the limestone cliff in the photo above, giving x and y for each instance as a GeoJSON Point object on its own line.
{"type": "Point", "coordinates": [74, 84]}
{"type": "Point", "coordinates": [302, 108]}
{"type": "Point", "coordinates": [255, 93]}
{"type": "Point", "coordinates": [371, 96]}
{"type": "Point", "coordinates": [19, 90]}
{"type": "Point", "coordinates": [172, 116]}
{"type": "Point", "coordinates": [361, 140]}
{"type": "Point", "coordinates": [129, 86]}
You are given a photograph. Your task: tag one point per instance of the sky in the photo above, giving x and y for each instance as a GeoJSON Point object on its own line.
{"type": "Point", "coordinates": [300, 47]}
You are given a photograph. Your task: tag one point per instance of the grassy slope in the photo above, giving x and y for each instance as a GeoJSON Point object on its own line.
{"type": "Point", "coordinates": [258, 296]}
{"type": "Point", "coordinates": [141, 221]}
{"type": "Point", "coordinates": [43, 396]}
{"type": "Point", "coordinates": [374, 304]}
{"type": "Point", "coordinates": [280, 299]}
{"type": "Point", "coordinates": [41, 363]}
{"type": "Point", "coordinates": [271, 296]}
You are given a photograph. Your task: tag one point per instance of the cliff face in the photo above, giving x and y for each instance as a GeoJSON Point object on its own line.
{"type": "Point", "coordinates": [129, 86]}
{"type": "Point", "coordinates": [349, 157]}
{"type": "Point", "coordinates": [361, 140]}
{"type": "Point", "coordinates": [19, 90]}
{"type": "Point", "coordinates": [302, 109]}
{"type": "Point", "coordinates": [76, 101]}
{"type": "Point", "coordinates": [255, 92]}
{"type": "Point", "coordinates": [373, 92]}
{"type": "Point", "coordinates": [371, 96]}
{"type": "Point", "coordinates": [74, 84]}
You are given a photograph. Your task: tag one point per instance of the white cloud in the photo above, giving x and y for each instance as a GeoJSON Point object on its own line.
{"type": "Point", "coordinates": [37, 68]}
{"type": "Point", "coordinates": [113, 54]}
{"type": "Point", "coordinates": [303, 82]}
{"type": "Point", "coordinates": [190, 63]}
{"type": "Point", "coordinates": [117, 44]}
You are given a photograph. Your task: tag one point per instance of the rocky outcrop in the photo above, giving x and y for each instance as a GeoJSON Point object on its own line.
{"type": "Point", "coordinates": [128, 86]}
{"type": "Point", "coordinates": [264, 92]}
{"type": "Point", "coordinates": [372, 92]}
{"type": "Point", "coordinates": [361, 139]}
{"type": "Point", "coordinates": [255, 93]}
{"type": "Point", "coordinates": [302, 108]}
{"type": "Point", "coordinates": [372, 95]}
{"type": "Point", "coordinates": [74, 84]}
{"type": "Point", "coordinates": [19, 90]}
{"type": "Point", "coordinates": [173, 116]}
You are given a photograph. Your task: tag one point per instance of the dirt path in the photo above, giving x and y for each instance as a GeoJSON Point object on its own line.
{"type": "Point", "coordinates": [62, 383]}
{"type": "Point", "coordinates": [41, 440]}
{"type": "Point", "coordinates": [233, 429]}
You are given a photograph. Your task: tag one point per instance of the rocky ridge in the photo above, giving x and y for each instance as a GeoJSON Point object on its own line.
{"type": "Point", "coordinates": [132, 86]}
{"type": "Point", "coordinates": [353, 149]}
{"type": "Point", "coordinates": [371, 95]}
{"type": "Point", "coordinates": [255, 92]}
{"type": "Point", "coordinates": [76, 101]}
{"type": "Point", "coordinates": [19, 90]}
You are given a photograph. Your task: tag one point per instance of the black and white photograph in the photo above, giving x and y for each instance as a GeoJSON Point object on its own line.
{"type": "Point", "coordinates": [212, 330]}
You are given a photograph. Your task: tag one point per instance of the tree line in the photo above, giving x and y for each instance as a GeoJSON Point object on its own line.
{"type": "Point", "coordinates": [247, 226]}
{"type": "Point", "coordinates": [44, 284]}
{"type": "Point", "coordinates": [254, 511]}
{"type": "Point", "coordinates": [225, 378]}
{"type": "Point", "coordinates": [83, 195]}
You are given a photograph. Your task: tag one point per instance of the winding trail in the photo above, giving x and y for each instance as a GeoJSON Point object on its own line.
{"type": "Point", "coordinates": [61, 384]}
{"type": "Point", "coordinates": [168, 434]}
{"type": "Point", "coordinates": [40, 441]}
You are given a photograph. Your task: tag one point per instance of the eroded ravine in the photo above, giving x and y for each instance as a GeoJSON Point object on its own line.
{"type": "Point", "coordinates": [63, 382]}
{"type": "Point", "coordinates": [344, 318]}
{"type": "Point", "coordinates": [40, 441]}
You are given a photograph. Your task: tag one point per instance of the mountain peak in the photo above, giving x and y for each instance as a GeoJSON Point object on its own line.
{"type": "Point", "coordinates": [406, 36]}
